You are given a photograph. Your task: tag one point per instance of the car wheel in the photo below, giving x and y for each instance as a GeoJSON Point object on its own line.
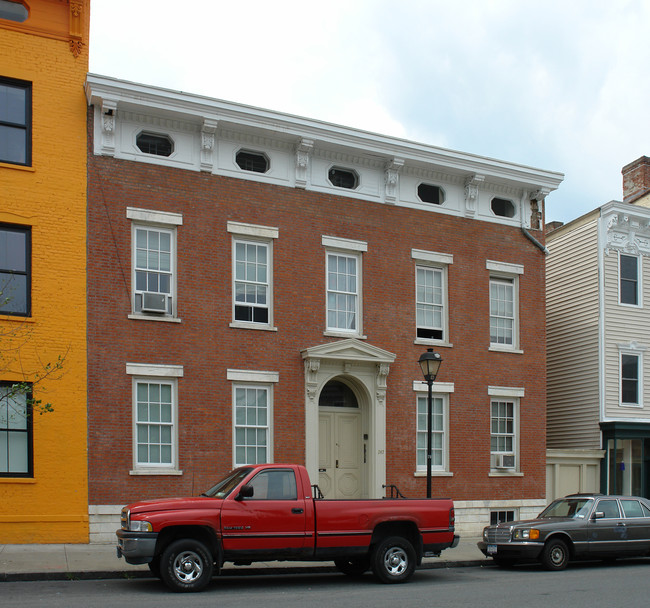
{"type": "Point", "coordinates": [186, 565]}
{"type": "Point", "coordinates": [352, 567]}
{"type": "Point", "coordinates": [393, 560]}
{"type": "Point", "coordinates": [555, 555]}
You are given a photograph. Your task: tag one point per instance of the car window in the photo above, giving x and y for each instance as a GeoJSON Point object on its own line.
{"type": "Point", "coordinates": [609, 508]}
{"type": "Point", "coordinates": [632, 508]}
{"type": "Point", "coordinates": [646, 510]}
{"type": "Point", "coordinates": [274, 485]}
{"type": "Point", "coordinates": [568, 507]}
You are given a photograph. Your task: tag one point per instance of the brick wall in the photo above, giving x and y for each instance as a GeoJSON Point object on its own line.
{"type": "Point", "coordinates": [206, 346]}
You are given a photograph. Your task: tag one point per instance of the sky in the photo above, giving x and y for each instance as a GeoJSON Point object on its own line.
{"type": "Point", "coordinates": [559, 85]}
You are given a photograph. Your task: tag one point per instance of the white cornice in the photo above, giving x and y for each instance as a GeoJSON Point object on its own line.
{"type": "Point", "coordinates": [326, 136]}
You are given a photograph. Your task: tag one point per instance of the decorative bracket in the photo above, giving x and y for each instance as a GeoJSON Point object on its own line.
{"type": "Point", "coordinates": [76, 26]}
{"type": "Point", "coordinates": [303, 154]}
{"type": "Point", "coordinates": [109, 112]}
{"type": "Point", "coordinates": [207, 144]}
{"type": "Point", "coordinates": [472, 184]}
{"type": "Point", "coordinates": [391, 179]}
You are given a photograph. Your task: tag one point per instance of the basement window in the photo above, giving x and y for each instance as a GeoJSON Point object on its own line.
{"type": "Point", "coordinates": [343, 178]}
{"type": "Point", "coordinates": [153, 143]}
{"type": "Point", "coordinates": [252, 161]}
{"type": "Point", "coordinates": [503, 207]}
{"type": "Point", "coordinates": [428, 193]}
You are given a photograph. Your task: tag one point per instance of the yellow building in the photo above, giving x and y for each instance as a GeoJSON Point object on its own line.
{"type": "Point", "coordinates": [43, 456]}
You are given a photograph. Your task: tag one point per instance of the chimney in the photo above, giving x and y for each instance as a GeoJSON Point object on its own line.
{"type": "Point", "coordinates": [636, 179]}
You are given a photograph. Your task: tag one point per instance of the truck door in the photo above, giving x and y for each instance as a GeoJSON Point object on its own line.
{"type": "Point", "coordinates": [270, 523]}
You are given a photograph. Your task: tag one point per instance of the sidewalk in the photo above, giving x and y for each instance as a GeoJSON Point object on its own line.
{"type": "Point", "coordinates": [69, 562]}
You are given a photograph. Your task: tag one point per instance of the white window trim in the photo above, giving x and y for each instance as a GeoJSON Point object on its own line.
{"type": "Point", "coordinates": [144, 218]}
{"type": "Point", "coordinates": [351, 248]}
{"type": "Point", "coordinates": [510, 394]}
{"type": "Point", "coordinates": [156, 373]}
{"type": "Point", "coordinates": [443, 390]}
{"type": "Point", "coordinates": [253, 379]}
{"type": "Point", "coordinates": [639, 278]}
{"type": "Point", "coordinates": [505, 270]}
{"type": "Point", "coordinates": [251, 233]}
{"type": "Point", "coordinates": [439, 261]}
{"type": "Point", "coordinates": [637, 351]}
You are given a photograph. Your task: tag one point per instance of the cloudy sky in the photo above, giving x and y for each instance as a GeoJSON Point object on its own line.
{"type": "Point", "coordinates": [562, 85]}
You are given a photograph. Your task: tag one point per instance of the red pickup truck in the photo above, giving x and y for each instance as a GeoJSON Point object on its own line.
{"type": "Point", "coordinates": [266, 512]}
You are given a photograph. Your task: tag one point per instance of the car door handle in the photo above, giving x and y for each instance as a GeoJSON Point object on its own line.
{"type": "Point", "coordinates": [297, 510]}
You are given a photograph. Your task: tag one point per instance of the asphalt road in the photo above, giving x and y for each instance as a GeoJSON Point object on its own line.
{"type": "Point", "coordinates": [593, 586]}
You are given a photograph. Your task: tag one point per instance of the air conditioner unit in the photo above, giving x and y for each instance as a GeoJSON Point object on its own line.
{"type": "Point", "coordinates": [504, 461]}
{"type": "Point", "coordinates": [154, 302]}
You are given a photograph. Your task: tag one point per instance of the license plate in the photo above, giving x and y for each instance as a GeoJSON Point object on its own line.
{"type": "Point", "coordinates": [491, 549]}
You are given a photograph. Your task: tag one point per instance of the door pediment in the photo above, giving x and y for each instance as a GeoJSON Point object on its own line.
{"type": "Point", "coordinates": [349, 349]}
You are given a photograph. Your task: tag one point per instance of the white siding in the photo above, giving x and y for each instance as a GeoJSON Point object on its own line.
{"type": "Point", "coordinates": [572, 338]}
{"type": "Point", "coordinates": [625, 326]}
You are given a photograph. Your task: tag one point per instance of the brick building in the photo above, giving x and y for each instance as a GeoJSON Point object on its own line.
{"type": "Point", "coordinates": [261, 286]}
{"type": "Point", "coordinates": [43, 458]}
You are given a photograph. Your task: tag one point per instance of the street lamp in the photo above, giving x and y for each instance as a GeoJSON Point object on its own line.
{"type": "Point", "coordinates": [430, 364]}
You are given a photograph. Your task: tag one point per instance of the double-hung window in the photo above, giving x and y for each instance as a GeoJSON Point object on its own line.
{"type": "Point", "coordinates": [343, 285]}
{"type": "Point", "coordinates": [15, 122]}
{"type": "Point", "coordinates": [504, 428]}
{"type": "Point", "coordinates": [631, 379]}
{"type": "Point", "coordinates": [438, 433]}
{"type": "Point", "coordinates": [431, 295]}
{"type": "Point", "coordinates": [16, 438]}
{"type": "Point", "coordinates": [155, 414]}
{"type": "Point", "coordinates": [629, 279]}
{"type": "Point", "coordinates": [252, 415]}
{"type": "Point", "coordinates": [15, 270]}
{"type": "Point", "coordinates": [252, 275]}
{"type": "Point", "coordinates": [504, 305]}
{"type": "Point", "coordinates": [154, 263]}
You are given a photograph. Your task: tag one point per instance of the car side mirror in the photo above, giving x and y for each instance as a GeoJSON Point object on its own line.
{"type": "Point", "coordinates": [598, 515]}
{"type": "Point", "coordinates": [246, 491]}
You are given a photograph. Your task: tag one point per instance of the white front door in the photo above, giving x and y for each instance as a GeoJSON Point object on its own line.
{"type": "Point", "coordinates": [340, 453]}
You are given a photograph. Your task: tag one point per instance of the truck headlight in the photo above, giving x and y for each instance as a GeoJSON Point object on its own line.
{"type": "Point", "coordinates": [140, 526]}
{"type": "Point", "coordinates": [526, 534]}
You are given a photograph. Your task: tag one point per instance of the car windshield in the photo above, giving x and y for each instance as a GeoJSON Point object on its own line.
{"type": "Point", "coordinates": [228, 483]}
{"type": "Point", "coordinates": [576, 508]}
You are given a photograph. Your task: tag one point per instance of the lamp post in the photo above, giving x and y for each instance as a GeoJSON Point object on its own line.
{"type": "Point", "coordinates": [430, 364]}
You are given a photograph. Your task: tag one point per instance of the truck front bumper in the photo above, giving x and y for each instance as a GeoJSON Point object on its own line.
{"type": "Point", "coordinates": [136, 547]}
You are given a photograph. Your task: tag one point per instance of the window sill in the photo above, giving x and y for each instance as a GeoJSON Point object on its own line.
{"type": "Point", "coordinates": [433, 474]}
{"type": "Point", "coordinates": [332, 333]}
{"type": "Point", "coordinates": [425, 342]}
{"type": "Point", "coordinates": [152, 318]}
{"type": "Point", "coordinates": [505, 349]}
{"type": "Point", "coordinates": [258, 326]}
{"type": "Point", "coordinates": [19, 167]}
{"type": "Point", "coordinates": [17, 318]}
{"type": "Point", "coordinates": [155, 472]}
{"type": "Point", "coordinates": [494, 473]}
{"type": "Point", "coordinates": [21, 480]}
{"type": "Point", "coordinates": [632, 406]}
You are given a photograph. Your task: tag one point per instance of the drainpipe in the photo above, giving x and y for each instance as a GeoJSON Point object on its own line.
{"type": "Point", "coordinates": [527, 234]}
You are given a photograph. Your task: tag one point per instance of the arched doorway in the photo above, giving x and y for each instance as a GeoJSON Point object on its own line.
{"type": "Point", "coordinates": [358, 425]}
{"type": "Point", "coordinates": [341, 441]}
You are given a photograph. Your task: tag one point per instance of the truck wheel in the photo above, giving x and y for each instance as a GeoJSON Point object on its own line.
{"type": "Point", "coordinates": [352, 567]}
{"type": "Point", "coordinates": [154, 566]}
{"type": "Point", "coordinates": [393, 560]}
{"type": "Point", "coordinates": [555, 555]}
{"type": "Point", "coordinates": [186, 565]}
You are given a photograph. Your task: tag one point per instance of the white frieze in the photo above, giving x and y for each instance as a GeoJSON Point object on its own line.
{"type": "Point", "coordinates": [627, 233]}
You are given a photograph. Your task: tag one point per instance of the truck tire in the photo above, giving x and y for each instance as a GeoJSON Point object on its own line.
{"type": "Point", "coordinates": [555, 555]}
{"type": "Point", "coordinates": [186, 565]}
{"type": "Point", "coordinates": [352, 567]}
{"type": "Point", "coordinates": [393, 560]}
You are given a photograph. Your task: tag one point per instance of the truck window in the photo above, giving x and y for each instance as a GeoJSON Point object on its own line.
{"type": "Point", "coordinates": [275, 484]}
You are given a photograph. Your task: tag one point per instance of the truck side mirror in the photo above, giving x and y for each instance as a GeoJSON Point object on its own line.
{"type": "Point", "coordinates": [246, 491]}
